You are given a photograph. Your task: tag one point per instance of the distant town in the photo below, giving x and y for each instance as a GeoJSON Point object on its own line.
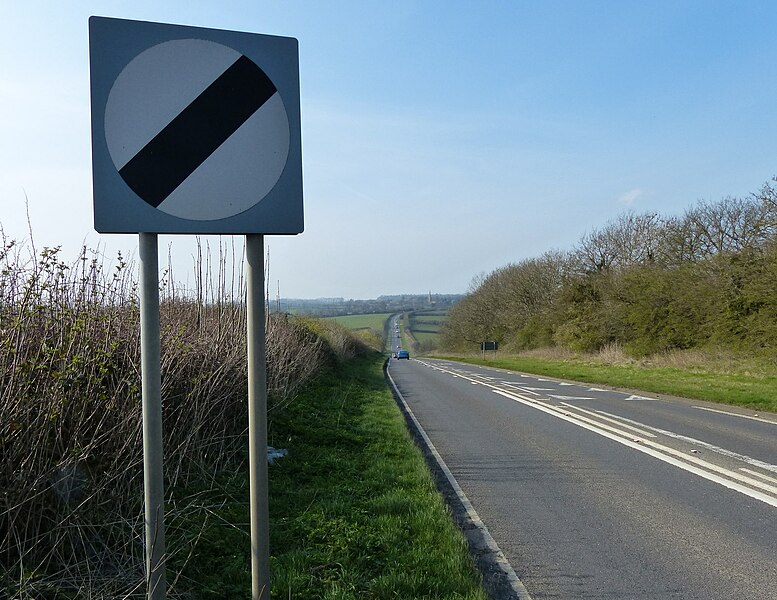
{"type": "Point", "coordinates": [337, 307]}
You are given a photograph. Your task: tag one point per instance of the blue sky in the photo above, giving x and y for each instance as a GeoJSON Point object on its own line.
{"type": "Point", "coordinates": [440, 139]}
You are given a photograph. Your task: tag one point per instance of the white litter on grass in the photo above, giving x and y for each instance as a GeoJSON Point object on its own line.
{"type": "Point", "coordinates": [275, 453]}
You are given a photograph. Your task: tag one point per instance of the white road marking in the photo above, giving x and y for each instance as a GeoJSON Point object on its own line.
{"type": "Point", "coordinates": [729, 453]}
{"type": "Point", "coordinates": [688, 463]}
{"type": "Point", "coordinates": [725, 477]}
{"type": "Point", "coordinates": [732, 414]}
{"type": "Point", "coordinates": [513, 580]}
{"type": "Point", "coordinates": [520, 389]}
{"type": "Point", "coordinates": [761, 475]}
{"type": "Point", "coordinates": [642, 432]}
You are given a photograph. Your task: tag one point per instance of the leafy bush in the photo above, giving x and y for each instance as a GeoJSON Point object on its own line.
{"type": "Point", "coordinates": [649, 283]}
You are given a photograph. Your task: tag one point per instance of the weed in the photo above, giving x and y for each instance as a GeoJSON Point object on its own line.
{"type": "Point", "coordinates": [70, 419]}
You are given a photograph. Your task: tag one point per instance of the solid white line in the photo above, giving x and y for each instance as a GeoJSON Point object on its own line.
{"type": "Point", "coordinates": [764, 477]}
{"type": "Point", "coordinates": [598, 415]}
{"type": "Point", "coordinates": [731, 414]}
{"type": "Point", "coordinates": [514, 581]}
{"type": "Point", "coordinates": [717, 449]}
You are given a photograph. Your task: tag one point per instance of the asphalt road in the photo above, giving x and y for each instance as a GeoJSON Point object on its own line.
{"type": "Point", "coordinates": [395, 338]}
{"type": "Point", "coordinates": [593, 493]}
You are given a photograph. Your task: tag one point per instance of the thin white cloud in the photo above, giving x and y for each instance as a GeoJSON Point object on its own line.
{"type": "Point", "coordinates": [630, 197]}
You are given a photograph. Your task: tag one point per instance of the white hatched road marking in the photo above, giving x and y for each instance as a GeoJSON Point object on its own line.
{"type": "Point", "coordinates": [751, 461]}
{"type": "Point", "coordinates": [725, 477]}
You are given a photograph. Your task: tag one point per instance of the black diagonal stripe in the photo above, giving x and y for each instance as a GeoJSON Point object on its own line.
{"type": "Point", "coordinates": [190, 138]}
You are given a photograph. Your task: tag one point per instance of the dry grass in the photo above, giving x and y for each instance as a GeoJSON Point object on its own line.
{"type": "Point", "coordinates": [550, 353]}
{"type": "Point", "coordinates": [721, 361]}
{"type": "Point", "coordinates": [70, 420]}
{"type": "Point", "coordinates": [704, 360]}
{"type": "Point", "coordinates": [701, 360]}
{"type": "Point", "coordinates": [715, 360]}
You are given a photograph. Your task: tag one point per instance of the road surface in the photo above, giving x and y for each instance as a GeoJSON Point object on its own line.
{"type": "Point", "coordinates": [592, 493]}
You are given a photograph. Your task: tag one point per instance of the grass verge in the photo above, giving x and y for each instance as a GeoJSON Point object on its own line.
{"type": "Point", "coordinates": [748, 384]}
{"type": "Point", "coordinates": [354, 510]}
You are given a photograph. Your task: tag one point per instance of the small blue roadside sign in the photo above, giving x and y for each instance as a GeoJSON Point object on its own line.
{"type": "Point", "coordinates": [194, 130]}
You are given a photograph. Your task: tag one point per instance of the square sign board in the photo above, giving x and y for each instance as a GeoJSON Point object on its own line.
{"type": "Point", "coordinates": [194, 130]}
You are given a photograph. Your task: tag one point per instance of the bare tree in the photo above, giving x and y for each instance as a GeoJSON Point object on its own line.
{"type": "Point", "coordinates": [630, 239]}
{"type": "Point", "coordinates": [729, 225]}
{"type": "Point", "coordinates": [767, 199]}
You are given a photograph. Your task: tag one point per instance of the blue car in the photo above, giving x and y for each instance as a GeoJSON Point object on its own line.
{"type": "Point", "coordinates": [403, 354]}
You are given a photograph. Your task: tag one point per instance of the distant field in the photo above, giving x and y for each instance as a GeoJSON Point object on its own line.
{"type": "Point", "coordinates": [358, 322]}
{"type": "Point", "coordinates": [426, 325]}
{"type": "Point", "coordinates": [426, 335]}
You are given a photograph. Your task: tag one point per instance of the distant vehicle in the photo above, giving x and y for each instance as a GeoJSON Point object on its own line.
{"type": "Point", "coordinates": [403, 354]}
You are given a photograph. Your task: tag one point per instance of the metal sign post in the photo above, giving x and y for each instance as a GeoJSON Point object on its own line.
{"type": "Point", "coordinates": [196, 131]}
{"type": "Point", "coordinates": [257, 419]}
{"type": "Point", "coordinates": [153, 451]}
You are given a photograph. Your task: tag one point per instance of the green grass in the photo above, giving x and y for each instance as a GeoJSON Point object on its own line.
{"type": "Point", "coordinates": [749, 388]}
{"type": "Point", "coordinates": [423, 336]}
{"type": "Point", "coordinates": [353, 508]}
{"type": "Point", "coordinates": [426, 326]}
{"type": "Point", "coordinates": [357, 322]}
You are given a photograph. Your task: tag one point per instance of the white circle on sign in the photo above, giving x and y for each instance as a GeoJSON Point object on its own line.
{"type": "Point", "coordinates": [168, 137]}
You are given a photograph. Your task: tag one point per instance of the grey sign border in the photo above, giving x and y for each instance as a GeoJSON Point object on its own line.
{"type": "Point", "coordinates": [113, 43]}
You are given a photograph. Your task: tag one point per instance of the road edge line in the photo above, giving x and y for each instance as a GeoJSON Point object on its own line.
{"type": "Point", "coordinates": [482, 545]}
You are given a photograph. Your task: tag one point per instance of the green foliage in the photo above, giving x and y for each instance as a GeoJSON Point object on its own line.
{"type": "Point", "coordinates": [666, 309]}
{"type": "Point", "coordinates": [647, 283]}
{"type": "Point", "coordinates": [591, 317]}
{"type": "Point", "coordinates": [749, 298]}
{"type": "Point", "coordinates": [536, 333]}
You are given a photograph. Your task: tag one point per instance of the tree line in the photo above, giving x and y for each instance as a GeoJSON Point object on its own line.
{"type": "Point", "coordinates": [647, 282]}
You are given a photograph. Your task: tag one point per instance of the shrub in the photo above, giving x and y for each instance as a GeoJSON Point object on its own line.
{"type": "Point", "coordinates": [71, 423]}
